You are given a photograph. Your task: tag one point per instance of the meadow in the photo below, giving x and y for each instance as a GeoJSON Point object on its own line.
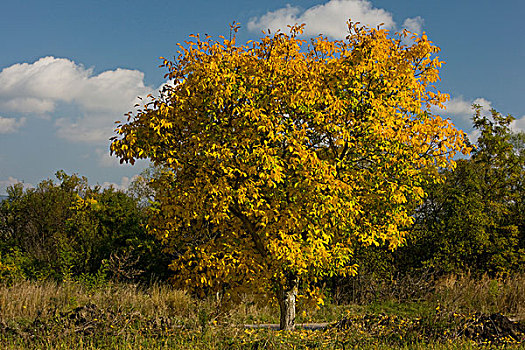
{"type": "Point", "coordinates": [451, 312]}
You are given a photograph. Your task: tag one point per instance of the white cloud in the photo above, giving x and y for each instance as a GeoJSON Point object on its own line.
{"type": "Point", "coordinates": [4, 184]}
{"type": "Point", "coordinates": [328, 19]}
{"type": "Point", "coordinates": [124, 183]}
{"type": "Point", "coordinates": [474, 135]}
{"type": "Point", "coordinates": [460, 111]}
{"type": "Point", "coordinates": [98, 100]}
{"type": "Point", "coordinates": [105, 160]}
{"type": "Point", "coordinates": [91, 127]}
{"type": "Point", "coordinates": [458, 106]}
{"type": "Point", "coordinates": [9, 182]}
{"type": "Point", "coordinates": [485, 104]}
{"type": "Point", "coordinates": [331, 18]}
{"type": "Point", "coordinates": [275, 20]}
{"type": "Point", "coordinates": [28, 105]}
{"type": "Point", "coordinates": [41, 83]}
{"type": "Point", "coordinates": [414, 25]}
{"type": "Point", "coordinates": [518, 125]}
{"type": "Point", "coordinates": [461, 108]}
{"type": "Point", "coordinates": [11, 125]}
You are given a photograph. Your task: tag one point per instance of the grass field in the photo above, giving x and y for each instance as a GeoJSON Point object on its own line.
{"type": "Point", "coordinates": [457, 313]}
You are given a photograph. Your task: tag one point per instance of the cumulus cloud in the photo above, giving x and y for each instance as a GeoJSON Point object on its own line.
{"type": "Point", "coordinates": [124, 183]}
{"type": "Point", "coordinates": [457, 106]}
{"type": "Point", "coordinates": [461, 108]}
{"type": "Point", "coordinates": [414, 25]}
{"type": "Point", "coordinates": [27, 105]}
{"type": "Point", "coordinates": [518, 125]}
{"type": "Point", "coordinates": [41, 87]}
{"type": "Point", "coordinates": [330, 18]}
{"type": "Point", "coordinates": [9, 182]}
{"type": "Point", "coordinates": [11, 125]}
{"type": "Point", "coordinates": [4, 184]}
{"type": "Point", "coordinates": [105, 160]}
{"type": "Point", "coordinates": [91, 127]}
{"type": "Point", "coordinates": [275, 20]}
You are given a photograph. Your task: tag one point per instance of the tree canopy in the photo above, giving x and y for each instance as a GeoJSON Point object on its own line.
{"type": "Point", "coordinates": [280, 156]}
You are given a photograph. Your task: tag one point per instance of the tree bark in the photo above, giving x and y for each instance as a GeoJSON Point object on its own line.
{"type": "Point", "coordinates": [286, 296]}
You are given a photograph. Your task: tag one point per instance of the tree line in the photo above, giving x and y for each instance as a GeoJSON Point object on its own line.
{"type": "Point", "coordinates": [64, 229]}
{"type": "Point", "coordinates": [472, 221]}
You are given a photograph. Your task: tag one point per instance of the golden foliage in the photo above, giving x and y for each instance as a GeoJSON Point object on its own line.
{"type": "Point", "coordinates": [283, 155]}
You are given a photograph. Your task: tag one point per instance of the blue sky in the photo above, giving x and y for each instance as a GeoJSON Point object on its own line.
{"type": "Point", "coordinates": [69, 69]}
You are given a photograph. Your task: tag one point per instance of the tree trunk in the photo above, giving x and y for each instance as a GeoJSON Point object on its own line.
{"type": "Point", "coordinates": [286, 296]}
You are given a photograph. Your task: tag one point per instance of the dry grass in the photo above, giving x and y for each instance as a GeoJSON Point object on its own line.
{"type": "Point", "coordinates": [48, 315]}
{"type": "Point", "coordinates": [485, 295]}
{"type": "Point", "coordinates": [30, 299]}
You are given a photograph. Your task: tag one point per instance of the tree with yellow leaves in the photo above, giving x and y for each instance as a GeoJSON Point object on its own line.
{"type": "Point", "coordinates": [281, 156]}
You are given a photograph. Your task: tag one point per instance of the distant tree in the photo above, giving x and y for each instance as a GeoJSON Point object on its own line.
{"type": "Point", "coordinates": [474, 220]}
{"type": "Point", "coordinates": [141, 187]}
{"type": "Point", "coordinates": [109, 229]}
{"type": "Point", "coordinates": [68, 230]}
{"type": "Point", "coordinates": [518, 143]}
{"type": "Point", "coordinates": [281, 156]}
{"type": "Point", "coordinates": [34, 223]}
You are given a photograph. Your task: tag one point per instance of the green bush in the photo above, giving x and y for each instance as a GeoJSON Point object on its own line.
{"type": "Point", "coordinates": [474, 220]}
{"type": "Point", "coordinates": [68, 230]}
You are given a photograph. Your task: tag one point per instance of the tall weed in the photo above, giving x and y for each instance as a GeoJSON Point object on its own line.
{"type": "Point", "coordinates": [485, 295]}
